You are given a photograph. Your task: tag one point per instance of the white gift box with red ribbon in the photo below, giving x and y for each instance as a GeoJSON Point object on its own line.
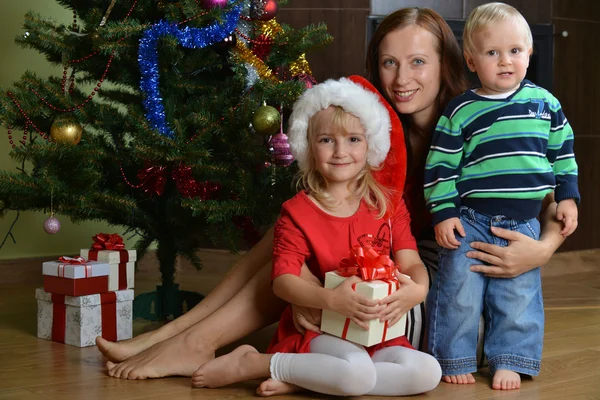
{"type": "Point", "coordinates": [122, 266]}
{"type": "Point", "coordinates": [77, 320]}
{"type": "Point", "coordinates": [75, 276]}
{"type": "Point", "coordinates": [378, 332]}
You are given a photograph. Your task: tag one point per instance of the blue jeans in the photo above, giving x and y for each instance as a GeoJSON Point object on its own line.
{"type": "Point", "coordinates": [513, 308]}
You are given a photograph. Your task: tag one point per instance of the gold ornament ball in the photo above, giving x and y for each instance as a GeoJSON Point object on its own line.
{"type": "Point", "coordinates": [66, 129]}
{"type": "Point", "coordinates": [266, 120]}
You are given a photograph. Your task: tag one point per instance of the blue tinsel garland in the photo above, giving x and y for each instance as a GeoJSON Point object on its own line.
{"type": "Point", "coordinates": [193, 38]}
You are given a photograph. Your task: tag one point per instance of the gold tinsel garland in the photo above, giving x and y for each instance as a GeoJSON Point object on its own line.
{"type": "Point", "coordinates": [246, 55]}
{"type": "Point", "coordinates": [270, 29]}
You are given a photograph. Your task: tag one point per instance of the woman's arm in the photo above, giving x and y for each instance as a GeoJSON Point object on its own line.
{"type": "Point", "coordinates": [522, 253]}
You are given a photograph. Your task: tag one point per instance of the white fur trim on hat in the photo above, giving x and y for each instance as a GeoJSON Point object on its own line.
{"type": "Point", "coordinates": [353, 98]}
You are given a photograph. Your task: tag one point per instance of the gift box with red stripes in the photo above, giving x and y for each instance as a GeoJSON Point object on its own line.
{"type": "Point", "coordinates": [77, 320]}
{"type": "Point", "coordinates": [75, 276]}
{"type": "Point", "coordinates": [378, 332]}
{"type": "Point", "coordinates": [109, 248]}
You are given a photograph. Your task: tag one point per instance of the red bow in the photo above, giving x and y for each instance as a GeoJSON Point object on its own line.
{"type": "Point", "coordinates": [108, 241]}
{"type": "Point", "coordinates": [72, 260]}
{"type": "Point", "coordinates": [368, 264]}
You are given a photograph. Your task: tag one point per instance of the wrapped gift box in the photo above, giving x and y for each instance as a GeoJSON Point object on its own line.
{"type": "Point", "coordinates": [90, 277]}
{"type": "Point", "coordinates": [340, 326]}
{"type": "Point", "coordinates": [122, 266]}
{"type": "Point", "coordinates": [78, 320]}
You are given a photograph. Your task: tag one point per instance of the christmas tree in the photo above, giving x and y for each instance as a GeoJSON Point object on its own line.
{"type": "Point", "coordinates": [167, 120]}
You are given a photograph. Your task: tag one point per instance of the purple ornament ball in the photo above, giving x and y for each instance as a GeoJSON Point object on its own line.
{"type": "Point", "coordinates": [214, 3]}
{"type": "Point", "coordinates": [52, 225]}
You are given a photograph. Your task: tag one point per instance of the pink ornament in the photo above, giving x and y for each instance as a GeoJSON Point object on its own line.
{"type": "Point", "coordinates": [52, 225]}
{"type": "Point", "coordinates": [214, 3]}
{"type": "Point", "coordinates": [282, 156]}
{"type": "Point", "coordinates": [308, 80]}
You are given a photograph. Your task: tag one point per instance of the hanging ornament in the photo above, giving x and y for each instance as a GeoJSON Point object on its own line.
{"type": "Point", "coordinates": [266, 120]}
{"type": "Point", "coordinates": [214, 3]}
{"type": "Point", "coordinates": [282, 155]}
{"type": "Point", "coordinates": [263, 10]}
{"type": "Point", "coordinates": [66, 129]}
{"type": "Point", "coordinates": [306, 79]}
{"type": "Point", "coordinates": [52, 224]}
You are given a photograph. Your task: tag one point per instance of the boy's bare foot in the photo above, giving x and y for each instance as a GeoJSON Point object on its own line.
{"type": "Point", "coordinates": [271, 387]}
{"type": "Point", "coordinates": [459, 379]}
{"type": "Point", "coordinates": [242, 364]}
{"type": "Point", "coordinates": [117, 352]}
{"type": "Point", "coordinates": [505, 379]}
{"type": "Point", "coordinates": [180, 355]}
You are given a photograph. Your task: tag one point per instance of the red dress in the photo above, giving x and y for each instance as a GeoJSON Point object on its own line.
{"type": "Point", "coordinates": [305, 233]}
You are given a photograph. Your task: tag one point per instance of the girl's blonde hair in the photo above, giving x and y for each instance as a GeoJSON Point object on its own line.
{"type": "Point", "coordinates": [486, 15]}
{"type": "Point", "coordinates": [312, 181]}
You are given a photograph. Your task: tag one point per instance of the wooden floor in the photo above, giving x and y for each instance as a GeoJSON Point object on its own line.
{"type": "Point", "coordinates": [32, 368]}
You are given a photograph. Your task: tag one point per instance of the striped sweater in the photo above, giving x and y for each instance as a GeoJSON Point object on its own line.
{"type": "Point", "coordinates": [500, 156]}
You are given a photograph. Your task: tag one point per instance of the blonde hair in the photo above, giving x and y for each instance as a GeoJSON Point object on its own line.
{"type": "Point", "coordinates": [489, 14]}
{"type": "Point", "coordinates": [315, 184]}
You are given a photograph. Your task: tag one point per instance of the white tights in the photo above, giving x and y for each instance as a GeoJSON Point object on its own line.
{"type": "Point", "coordinates": [338, 367]}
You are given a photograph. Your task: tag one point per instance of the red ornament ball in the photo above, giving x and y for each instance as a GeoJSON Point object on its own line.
{"type": "Point", "coordinates": [214, 3]}
{"type": "Point", "coordinates": [263, 10]}
{"type": "Point", "coordinates": [52, 225]}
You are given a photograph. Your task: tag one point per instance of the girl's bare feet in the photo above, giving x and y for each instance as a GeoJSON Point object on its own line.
{"type": "Point", "coordinates": [459, 379]}
{"type": "Point", "coordinates": [242, 364]}
{"type": "Point", "coordinates": [271, 387]}
{"type": "Point", "coordinates": [180, 355]}
{"type": "Point", "coordinates": [121, 351]}
{"type": "Point", "coordinates": [505, 379]}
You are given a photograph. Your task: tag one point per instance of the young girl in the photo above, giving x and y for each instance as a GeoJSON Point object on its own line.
{"type": "Point", "coordinates": [339, 133]}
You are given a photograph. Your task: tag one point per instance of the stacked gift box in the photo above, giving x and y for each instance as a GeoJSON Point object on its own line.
{"type": "Point", "coordinates": [88, 296]}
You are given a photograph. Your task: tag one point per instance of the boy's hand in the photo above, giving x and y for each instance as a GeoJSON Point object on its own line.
{"type": "Point", "coordinates": [444, 233]}
{"type": "Point", "coordinates": [567, 212]}
{"type": "Point", "coordinates": [408, 295]}
{"type": "Point", "coordinates": [352, 305]}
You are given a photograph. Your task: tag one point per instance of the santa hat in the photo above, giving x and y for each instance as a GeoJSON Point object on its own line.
{"type": "Point", "coordinates": [383, 129]}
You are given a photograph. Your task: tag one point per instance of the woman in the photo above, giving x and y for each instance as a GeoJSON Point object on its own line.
{"type": "Point", "coordinates": [415, 62]}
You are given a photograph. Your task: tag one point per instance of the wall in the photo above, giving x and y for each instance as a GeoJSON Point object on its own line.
{"type": "Point", "coordinates": [577, 86]}
{"type": "Point", "coordinates": [31, 240]}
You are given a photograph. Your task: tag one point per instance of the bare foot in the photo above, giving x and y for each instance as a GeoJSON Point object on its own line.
{"type": "Point", "coordinates": [241, 364]}
{"type": "Point", "coordinates": [505, 379]}
{"type": "Point", "coordinates": [459, 379]}
{"type": "Point", "coordinates": [180, 355]}
{"type": "Point", "coordinates": [271, 387]}
{"type": "Point", "coordinates": [117, 352]}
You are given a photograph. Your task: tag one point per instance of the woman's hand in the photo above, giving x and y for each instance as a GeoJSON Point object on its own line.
{"type": "Point", "coordinates": [408, 295]}
{"type": "Point", "coordinates": [346, 301]}
{"type": "Point", "coordinates": [306, 318]}
{"type": "Point", "coordinates": [521, 255]}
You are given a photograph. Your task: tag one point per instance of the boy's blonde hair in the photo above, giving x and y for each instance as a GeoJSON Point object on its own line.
{"type": "Point", "coordinates": [486, 15]}
{"type": "Point", "coordinates": [313, 182]}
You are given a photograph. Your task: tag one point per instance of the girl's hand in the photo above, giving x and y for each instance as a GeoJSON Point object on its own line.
{"type": "Point", "coordinates": [408, 295]}
{"type": "Point", "coordinates": [306, 318]}
{"type": "Point", "coordinates": [352, 305]}
{"type": "Point", "coordinates": [444, 233]}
